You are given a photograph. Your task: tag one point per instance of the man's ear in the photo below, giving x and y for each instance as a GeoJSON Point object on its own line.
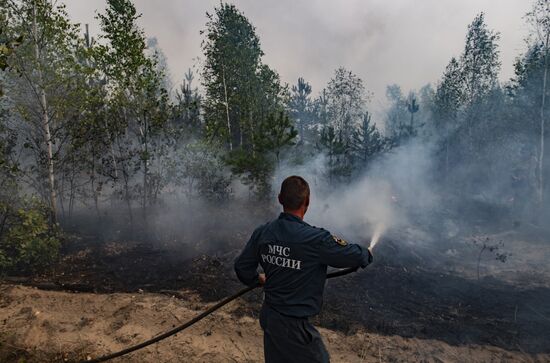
{"type": "Point", "coordinates": [307, 201]}
{"type": "Point", "coordinates": [279, 198]}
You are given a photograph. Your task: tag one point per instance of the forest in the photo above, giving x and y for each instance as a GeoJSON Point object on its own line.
{"type": "Point", "coordinates": [98, 144]}
{"type": "Point", "coordinates": [91, 124]}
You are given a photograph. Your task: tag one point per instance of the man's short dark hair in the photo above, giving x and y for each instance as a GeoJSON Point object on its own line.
{"type": "Point", "coordinates": [294, 191]}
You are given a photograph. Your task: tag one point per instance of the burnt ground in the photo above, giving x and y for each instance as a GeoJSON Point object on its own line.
{"type": "Point", "coordinates": [405, 299]}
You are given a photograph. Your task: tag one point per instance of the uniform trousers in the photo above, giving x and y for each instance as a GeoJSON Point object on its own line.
{"type": "Point", "coordinates": [289, 339]}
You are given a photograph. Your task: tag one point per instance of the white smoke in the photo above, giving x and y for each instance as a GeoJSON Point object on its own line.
{"type": "Point", "coordinates": [388, 196]}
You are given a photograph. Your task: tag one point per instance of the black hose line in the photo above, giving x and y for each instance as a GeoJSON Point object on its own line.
{"type": "Point", "coordinates": [196, 319]}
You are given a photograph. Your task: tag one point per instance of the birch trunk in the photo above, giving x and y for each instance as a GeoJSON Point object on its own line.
{"type": "Point", "coordinates": [45, 121]}
{"type": "Point", "coordinates": [227, 110]}
{"type": "Point", "coordinates": [542, 126]}
{"type": "Point", "coordinates": [145, 159]}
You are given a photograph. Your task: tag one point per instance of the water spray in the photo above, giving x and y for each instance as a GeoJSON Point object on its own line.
{"type": "Point", "coordinates": [378, 230]}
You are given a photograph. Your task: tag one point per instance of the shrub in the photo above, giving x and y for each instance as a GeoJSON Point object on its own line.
{"type": "Point", "coordinates": [27, 239]}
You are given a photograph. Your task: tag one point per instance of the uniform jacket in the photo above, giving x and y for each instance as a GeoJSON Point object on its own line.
{"type": "Point", "coordinates": [294, 257]}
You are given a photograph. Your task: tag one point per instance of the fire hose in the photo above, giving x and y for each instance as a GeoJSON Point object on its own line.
{"type": "Point", "coordinates": [197, 318]}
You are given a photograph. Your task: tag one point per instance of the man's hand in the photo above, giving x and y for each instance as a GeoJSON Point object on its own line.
{"type": "Point", "coordinates": [370, 255]}
{"type": "Point", "coordinates": [261, 279]}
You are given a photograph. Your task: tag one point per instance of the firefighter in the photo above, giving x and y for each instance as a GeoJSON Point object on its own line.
{"type": "Point", "coordinates": [294, 257]}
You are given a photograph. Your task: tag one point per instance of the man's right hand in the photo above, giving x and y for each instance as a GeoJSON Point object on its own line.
{"type": "Point", "coordinates": [370, 258]}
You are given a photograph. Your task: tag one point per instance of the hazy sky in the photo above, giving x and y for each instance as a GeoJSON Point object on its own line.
{"type": "Point", "coordinates": [383, 41]}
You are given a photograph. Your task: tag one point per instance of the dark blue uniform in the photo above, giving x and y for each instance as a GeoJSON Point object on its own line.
{"type": "Point", "coordinates": [294, 257]}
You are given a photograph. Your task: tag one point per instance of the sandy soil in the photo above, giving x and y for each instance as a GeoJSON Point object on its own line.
{"type": "Point", "coordinates": [44, 326]}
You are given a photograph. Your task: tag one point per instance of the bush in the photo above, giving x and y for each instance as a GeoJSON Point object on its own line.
{"type": "Point", "coordinates": [198, 167]}
{"type": "Point", "coordinates": [27, 240]}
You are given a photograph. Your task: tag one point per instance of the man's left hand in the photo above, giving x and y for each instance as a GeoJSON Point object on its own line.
{"type": "Point", "coordinates": [261, 279]}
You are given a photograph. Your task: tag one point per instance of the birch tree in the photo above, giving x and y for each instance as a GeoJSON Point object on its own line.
{"type": "Point", "coordinates": [41, 87]}
{"type": "Point", "coordinates": [137, 102]}
{"type": "Point", "coordinates": [347, 99]}
{"type": "Point", "coordinates": [244, 98]}
{"type": "Point", "coordinates": [232, 60]}
{"type": "Point", "coordinates": [539, 18]}
{"type": "Point", "coordinates": [449, 98]}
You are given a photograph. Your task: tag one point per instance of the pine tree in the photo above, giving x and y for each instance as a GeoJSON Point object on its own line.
{"type": "Point", "coordinates": [367, 142]}
{"type": "Point", "coordinates": [301, 107]}
{"type": "Point", "coordinates": [412, 107]}
{"type": "Point", "coordinates": [396, 116]}
{"type": "Point", "coordinates": [336, 149]}
{"type": "Point", "coordinates": [188, 107]}
{"type": "Point", "coordinates": [278, 132]}
{"type": "Point", "coordinates": [425, 117]}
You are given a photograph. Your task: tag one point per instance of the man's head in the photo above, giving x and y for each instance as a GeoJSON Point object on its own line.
{"type": "Point", "coordinates": [294, 195]}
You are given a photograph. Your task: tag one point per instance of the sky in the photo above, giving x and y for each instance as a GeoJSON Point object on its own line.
{"type": "Point", "coordinates": [408, 42]}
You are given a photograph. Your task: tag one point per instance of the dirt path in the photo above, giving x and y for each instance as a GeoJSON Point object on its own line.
{"type": "Point", "coordinates": [44, 326]}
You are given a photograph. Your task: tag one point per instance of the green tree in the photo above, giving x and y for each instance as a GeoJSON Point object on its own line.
{"type": "Point", "coordinates": [320, 111]}
{"type": "Point", "coordinates": [301, 107]}
{"type": "Point", "coordinates": [449, 98]}
{"type": "Point", "coordinates": [480, 66]}
{"type": "Point", "coordinates": [27, 239]}
{"type": "Point", "coordinates": [197, 167]}
{"type": "Point", "coordinates": [396, 115]}
{"type": "Point", "coordinates": [187, 107]}
{"type": "Point", "coordinates": [244, 97]}
{"type": "Point", "coordinates": [413, 107]}
{"type": "Point", "coordinates": [347, 99]}
{"type": "Point", "coordinates": [230, 75]}
{"type": "Point", "coordinates": [7, 45]}
{"type": "Point", "coordinates": [277, 133]}
{"type": "Point", "coordinates": [529, 92]}
{"type": "Point", "coordinates": [426, 100]}
{"type": "Point", "coordinates": [9, 171]}
{"type": "Point", "coordinates": [539, 18]}
{"type": "Point", "coordinates": [338, 166]}
{"type": "Point", "coordinates": [368, 142]}
{"type": "Point", "coordinates": [42, 86]}
{"type": "Point", "coordinates": [138, 103]}
{"type": "Point", "coordinates": [479, 62]}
